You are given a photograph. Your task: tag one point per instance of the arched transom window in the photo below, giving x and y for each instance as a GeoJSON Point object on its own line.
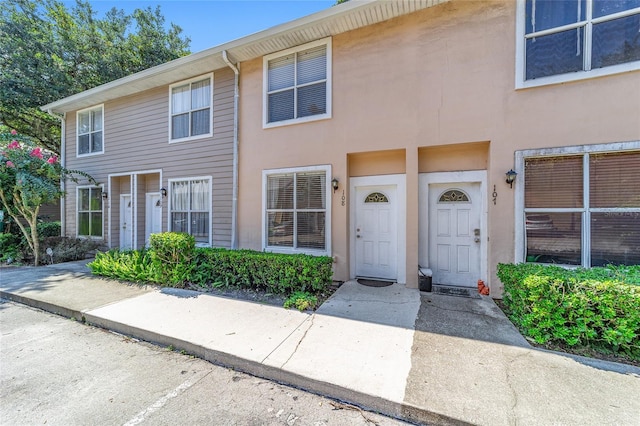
{"type": "Point", "coordinates": [453, 196]}
{"type": "Point", "coordinates": [376, 197]}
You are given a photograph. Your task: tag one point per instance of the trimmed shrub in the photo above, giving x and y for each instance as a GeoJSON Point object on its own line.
{"type": "Point", "coordinates": [48, 229]}
{"type": "Point", "coordinates": [172, 254]}
{"type": "Point", "coordinates": [597, 307]}
{"type": "Point", "coordinates": [273, 272]}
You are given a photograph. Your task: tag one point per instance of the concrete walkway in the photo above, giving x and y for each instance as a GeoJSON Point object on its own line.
{"type": "Point", "coordinates": [424, 357]}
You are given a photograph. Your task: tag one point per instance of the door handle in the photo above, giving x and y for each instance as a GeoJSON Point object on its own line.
{"type": "Point", "coordinates": [357, 236]}
{"type": "Point", "coordinates": [476, 239]}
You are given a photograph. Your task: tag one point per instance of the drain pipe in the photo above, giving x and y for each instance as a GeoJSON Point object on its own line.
{"type": "Point", "coordinates": [234, 200]}
{"type": "Point", "coordinates": [63, 121]}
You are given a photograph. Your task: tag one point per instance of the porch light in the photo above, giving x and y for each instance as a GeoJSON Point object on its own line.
{"type": "Point", "coordinates": [511, 176]}
{"type": "Point", "coordinates": [163, 191]}
{"type": "Point", "coordinates": [105, 195]}
{"type": "Point", "coordinates": [334, 184]}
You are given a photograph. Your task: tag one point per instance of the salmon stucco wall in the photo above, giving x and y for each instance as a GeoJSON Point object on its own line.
{"type": "Point", "coordinates": [439, 86]}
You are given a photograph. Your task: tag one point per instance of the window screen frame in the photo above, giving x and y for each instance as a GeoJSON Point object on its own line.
{"type": "Point", "coordinates": [78, 134]}
{"type": "Point", "coordinates": [265, 91]}
{"type": "Point", "coordinates": [78, 211]}
{"type": "Point", "coordinates": [586, 151]}
{"type": "Point", "coordinates": [587, 72]}
{"type": "Point", "coordinates": [327, 226]}
{"type": "Point", "coordinates": [191, 110]}
{"type": "Point", "coordinates": [190, 210]}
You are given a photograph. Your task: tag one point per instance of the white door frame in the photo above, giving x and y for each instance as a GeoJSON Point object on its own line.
{"type": "Point", "coordinates": [130, 227]}
{"type": "Point", "coordinates": [401, 193]}
{"type": "Point", "coordinates": [148, 207]}
{"type": "Point", "coordinates": [424, 180]}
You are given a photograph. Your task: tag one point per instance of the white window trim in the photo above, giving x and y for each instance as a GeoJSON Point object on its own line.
{"type": "Point", "coordinates": [265, 85]}
{"type": "Point", "coordinates": [78, 188]}
{"type": "Point", "coordinates": [89, 154]}
{"type": "Point", "coordinates": [328, 193]}
{"type": "Point", "coordinates": [170, 210]}
{"type": "Point", "coordinates": [192, 138]}
{"type": "Point", "coordinates": [522, 83]}
{"type": "Point", "coordinates": [520, 233]}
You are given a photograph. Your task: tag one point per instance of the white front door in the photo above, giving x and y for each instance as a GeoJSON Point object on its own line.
{"type": "Point", "coordinates": [126, 222]}
{"type": "Point", "coordinates": [153, 224]}
{"type": "Point", "coordinates": [376, 232]}
{"type": "Point", "coordinates": [455, 233]}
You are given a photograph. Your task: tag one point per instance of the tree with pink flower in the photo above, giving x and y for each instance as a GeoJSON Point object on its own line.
{"type": "Point", "coordinates": [29, 178]}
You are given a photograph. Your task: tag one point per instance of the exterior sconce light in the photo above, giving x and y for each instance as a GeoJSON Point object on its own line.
{"type": "Point", "coordinates": [511, 176]}
{"type": "Point", "coordinates": [105, 195]}
{"type": "Point", "coordinates": [163, 191]}
{"type": "Point", "coordinates": [334, 184]}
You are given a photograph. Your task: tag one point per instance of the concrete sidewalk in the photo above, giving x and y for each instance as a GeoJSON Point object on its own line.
{"type": "Point", "coordinates": [423, 357]}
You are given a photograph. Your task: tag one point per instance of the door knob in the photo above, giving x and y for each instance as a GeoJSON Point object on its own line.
{"type": "Point", "coordinates": [476, 239]}
{"type": "Point", "coordinates": [357, 236]}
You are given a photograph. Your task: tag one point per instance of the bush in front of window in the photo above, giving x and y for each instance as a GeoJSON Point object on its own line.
{"type": "Point", "coordinates": [597, 308]}
{"type": "Point", "coordinates": [174, 261]}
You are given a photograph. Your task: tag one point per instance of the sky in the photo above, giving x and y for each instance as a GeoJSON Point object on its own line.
{"type": "Point", "coordinates": [212, 22]}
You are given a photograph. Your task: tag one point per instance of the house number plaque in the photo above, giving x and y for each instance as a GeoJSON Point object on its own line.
{"type": "Point", "coordinates": [494, 195]}
{"type": "Point", "coordinates": [343, 199]}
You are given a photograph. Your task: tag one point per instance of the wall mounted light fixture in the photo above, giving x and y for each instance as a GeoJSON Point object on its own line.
{"type": "Point", "coordinates": [334, 184]}
{"type": "Point", "coordinates": [511, 176]}
{"type": "Point", "coordinates": [163, 191]}
{"type": "Point", "coordinates": [105, 195]}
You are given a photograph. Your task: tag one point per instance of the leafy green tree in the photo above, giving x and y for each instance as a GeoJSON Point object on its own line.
{"type": "Point", "coordinates": [29, 178]}
{"type": "Point", "coordinates": [48, 52]}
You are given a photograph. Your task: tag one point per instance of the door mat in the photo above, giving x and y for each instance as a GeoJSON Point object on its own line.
{"type": "Point", "coordinates": [374, 283]}
{"type": "Point", "coordinates": [446, 290]}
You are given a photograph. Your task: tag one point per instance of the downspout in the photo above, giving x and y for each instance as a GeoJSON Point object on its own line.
{"type": "Point", "coordinates": [63, 216]}
{"type": "Point", "coordinates": [234, 200]}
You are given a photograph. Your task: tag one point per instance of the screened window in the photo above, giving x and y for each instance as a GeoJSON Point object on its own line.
{"type": "Point", "coordinates": [89, 212]}
{"type": "Point", "coordinates": [583, 209]}
{"type": "Point", "coordinates": [296, 210]}
{"type": "Point", "coordinates": [191, 112]}
{"type": "Point", "coordinates": [90, 134]}
{"type": "Point", "coordinates": [298, 84]}
{"type": "Point", "coordinates": [190, 208]}
{"type": "Point", "coordinates": [569, 36]}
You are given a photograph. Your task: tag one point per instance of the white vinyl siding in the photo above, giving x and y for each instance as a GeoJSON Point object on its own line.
{"type": "Point", "coordinates": [574, 39]}
{"type": "Point", "coordinates": [191, 113]}
{"type": "Point", "coordinates": [90, 133]}
{"type": "Point", "coordinates": [296, 210]}
{"type": "Point", "coordinates": [89, 212]}
{"type": "Point", "coordinates": [190, 208]}
{"type": "Point", "coordinates": [297, 84]}
{"type": "Point", "coordinates": [580, 207]}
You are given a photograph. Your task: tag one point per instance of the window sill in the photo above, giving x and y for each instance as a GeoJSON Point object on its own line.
{"type": "Point", "coordinates": [288, 250]}
{"type": "Point", "coordinates": [191, 138]}
{"type": "Point", "coordinates": [90, 154]}
{"type": "Point", "coordinates": [296, 121]}
{"type": "Point", "coordinates": [577, 76]}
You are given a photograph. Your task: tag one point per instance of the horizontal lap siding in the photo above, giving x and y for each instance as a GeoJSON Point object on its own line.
{"type": "Point", "coordinates": [136, 138]}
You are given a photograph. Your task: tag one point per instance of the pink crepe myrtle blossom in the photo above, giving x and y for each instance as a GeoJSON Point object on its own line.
{"type": "Point", "coordinates": [37, 152]}
{"type": "Point", "coordinates": [10, 163]}
{"type": "Point", "coordinates": [13, 145]}
{"type": "Point", "coordinates": [14, 132]}
{"type": "Point", "coordinates": [52, 159]}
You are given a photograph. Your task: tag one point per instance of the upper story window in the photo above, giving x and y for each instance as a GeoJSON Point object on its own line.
{"type": "Point", "coordinates": [564, 40]}
{"type": "Point", "coordinates": [90, 131]}
{"type": "Point", "coordinates": [297, 84]}
{"type": "Point", "coordinates": [191, 111]}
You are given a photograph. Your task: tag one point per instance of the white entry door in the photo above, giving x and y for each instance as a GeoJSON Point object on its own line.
{"type": "Point", "coordinates": [376, 232]}
{"type": "Point", "coordinates": [153, 224]}
{"type": "Point", "coordinates": [126, 222]}
{"type": "Point", "coordinates": [455, 233]}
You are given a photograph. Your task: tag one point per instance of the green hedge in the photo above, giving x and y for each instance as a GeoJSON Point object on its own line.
{"type": "Point", "coordinates": [273, 272]}
{"type": "Point", "coordinates": [174, 261]}
{"type": "Point", "coordinates": [597, 307]}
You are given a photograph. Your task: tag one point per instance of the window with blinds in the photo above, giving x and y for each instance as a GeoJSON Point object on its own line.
{"type": "Point", "coordinates": [191, 113]}
{"type": "Point", "coordinates": [296, 210]}
{"type": "Point", "coordinates": [190, 208]}
{"type": "Point", "coordinates": [297, 84]}
{"type": "Point", "coordinates": [89, 211]}
{"type": "Point", "coordinates": [583, 209]}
